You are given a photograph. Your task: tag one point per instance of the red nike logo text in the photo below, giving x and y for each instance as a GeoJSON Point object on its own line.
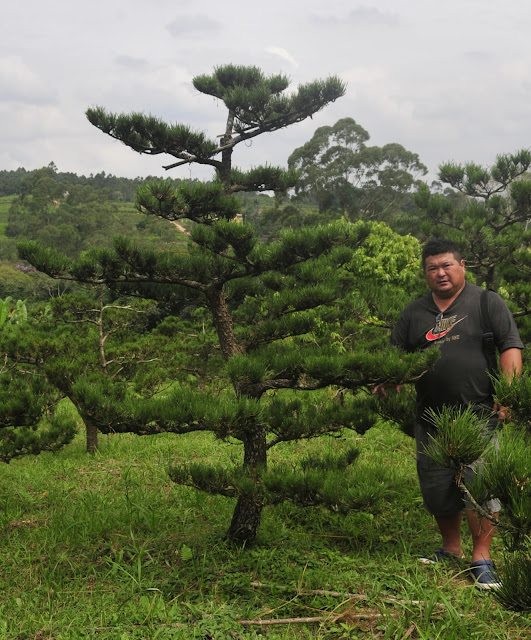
{"type": "Point", "coordinates": [435, 336]}
{"type": "Point", "coordinates": [439, 331]}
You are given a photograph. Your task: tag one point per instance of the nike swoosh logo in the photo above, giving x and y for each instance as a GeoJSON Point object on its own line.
{"type": "Point", "coordinates": [432, 336]}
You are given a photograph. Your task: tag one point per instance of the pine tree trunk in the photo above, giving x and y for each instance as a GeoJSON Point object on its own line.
{"type": "Point", "coordinates": [91, 430]}
{"type": "Point", "coordinates": [223, 322]}
{"type": "Point", "coordinates": [245, 520]}
{"type": "Point", "coordinates": [92, 437]}
{"type": "Point", "coordinates": [248, 511]}
{"type": "Point", "coordinates": [224, 172]}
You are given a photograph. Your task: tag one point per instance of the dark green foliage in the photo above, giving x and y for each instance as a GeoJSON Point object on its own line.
{"type": "Point", "coordinates": [264, 178]}
{"type": "Point", "coordinates": [216, 480]}
{"type": "Point", "coordinates": [21, 403]}
{"type": "Point", "coordinates": [330, 461]}
{"type": "Point", "coordinates": [147, 134]}
{"type": "Point", "coordinates": [182, 409]}
{"type": "Point", "coordinates": [338, 171]}
{"type": "Point", "coordinates": [400, 408]}
{"type": "Point", "coordinates": [29, 422]}
{"type": "Point", "coordinates": [515, 592]}
{"type": "Point", "coordinates": [338, 489]}
{"type": "Point", "coordinates": [256, 100]}
{"type": "Point", "coordinates": [201, 202]}
{"type": "Point", "coordinates": [460, 437]}
{"type": "Point", "coordinates": [294, 418]}
{"type": "Point", "coordinates": [328, 480]}
{"type": "Point", "coordinates": [105, 357]}
{"type": "Point", "coordinates": [488, 221]}
{"type": "Point", "coordinates": [49, 434]}
{"type": "Point", "coordinates": [516, 394]}
{"type": "Point", "coordinates": [38, 256]}
{"type": "Point", "coordinates": [507, 476]}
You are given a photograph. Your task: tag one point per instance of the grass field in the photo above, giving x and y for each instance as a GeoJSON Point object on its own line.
{"type": "Point", "coordinates": [107, 547]}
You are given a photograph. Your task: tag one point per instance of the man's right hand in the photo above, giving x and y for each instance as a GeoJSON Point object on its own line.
{"type": "Point", "coordinates": [380, 390]}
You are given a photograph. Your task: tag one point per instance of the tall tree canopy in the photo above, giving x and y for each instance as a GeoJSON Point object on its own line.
{"type": "Point", "coordinates": [255, 105]}
{"type": "Point", "coordinates": [339, 170]}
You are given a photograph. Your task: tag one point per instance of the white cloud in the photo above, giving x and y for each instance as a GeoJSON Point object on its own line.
{"type": "Point", "coordinates": [446, 80]}
{"type": "Point", "coordinates": [31, 124]}
{"type": "Point", "coordinates": [18, 83]}
{"type": "Point", "coordinates": [282, 53]}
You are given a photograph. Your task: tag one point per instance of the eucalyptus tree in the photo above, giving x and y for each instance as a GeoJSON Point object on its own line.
{"type": "Point", "coordinates": [278, 310]}
{"type": "Point", "coordinates": [339, 170]}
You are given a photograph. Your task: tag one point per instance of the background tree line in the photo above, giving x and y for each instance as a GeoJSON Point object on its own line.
{"type": "Point", "coordinates": [22, 181]}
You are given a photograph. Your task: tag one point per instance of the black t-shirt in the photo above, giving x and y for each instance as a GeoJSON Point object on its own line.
{"type": "Point", "coordinates": [459, 377]}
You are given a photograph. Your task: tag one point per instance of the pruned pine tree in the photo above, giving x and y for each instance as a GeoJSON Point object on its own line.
{"type": "Point", "coordinates": [489, 221]}
{"type": "Point", "coordinates": [29, 422]}
{"type": "Point", "coordinates": [506, 475]}
{"type": "Point", "coordinates": [81, 339]}
{"type": "Point", "coordinates": [255, 105]}
{"type": "Point", "coordinates": [277, 310]}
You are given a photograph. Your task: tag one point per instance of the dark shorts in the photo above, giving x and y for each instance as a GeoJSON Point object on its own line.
{"type": "Point", "coordinates": [438, 486]}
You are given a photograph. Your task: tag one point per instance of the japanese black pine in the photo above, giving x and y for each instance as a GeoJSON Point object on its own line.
{"type": "Point", "coordinates": [295, 321]}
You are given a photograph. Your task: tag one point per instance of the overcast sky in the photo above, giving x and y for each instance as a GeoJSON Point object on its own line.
{"type": "Point", "coordinates": [447, 80]}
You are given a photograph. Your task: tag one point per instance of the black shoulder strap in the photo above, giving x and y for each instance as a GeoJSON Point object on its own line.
{"type": "Point", "coordinates": [489, 343]}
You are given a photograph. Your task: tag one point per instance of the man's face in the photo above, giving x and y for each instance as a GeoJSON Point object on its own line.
{"type": "Point", "coordinates": [444, 274]}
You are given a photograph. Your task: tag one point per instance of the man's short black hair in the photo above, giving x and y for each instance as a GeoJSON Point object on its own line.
{"type": "Point", "coordinates": [436, 246]}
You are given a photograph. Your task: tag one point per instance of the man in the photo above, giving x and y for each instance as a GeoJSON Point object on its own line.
{"type": "Point", "coordinates": [449, 316]}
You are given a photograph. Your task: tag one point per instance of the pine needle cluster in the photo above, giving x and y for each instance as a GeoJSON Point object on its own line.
{"type": "Point", "coordinates": [460, 437]}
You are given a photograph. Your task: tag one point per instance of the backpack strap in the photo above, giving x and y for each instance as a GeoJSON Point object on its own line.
{"type": "Point", "coordinates": [489, 343]}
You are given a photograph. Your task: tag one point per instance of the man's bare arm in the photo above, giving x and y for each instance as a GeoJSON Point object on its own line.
{"type": "Point", "coordinates": [510, 366]}
{"type": "Point", "coordinates": [511, 362]}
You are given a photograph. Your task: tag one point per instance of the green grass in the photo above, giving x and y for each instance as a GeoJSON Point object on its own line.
{"type": "Point", "coordinates": [107, 547]}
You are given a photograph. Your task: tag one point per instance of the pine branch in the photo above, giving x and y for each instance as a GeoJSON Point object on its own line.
{"type": "Point", "coordinates": [484, 513]}
{"type": "Point", "coordinates": [338, 594]}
